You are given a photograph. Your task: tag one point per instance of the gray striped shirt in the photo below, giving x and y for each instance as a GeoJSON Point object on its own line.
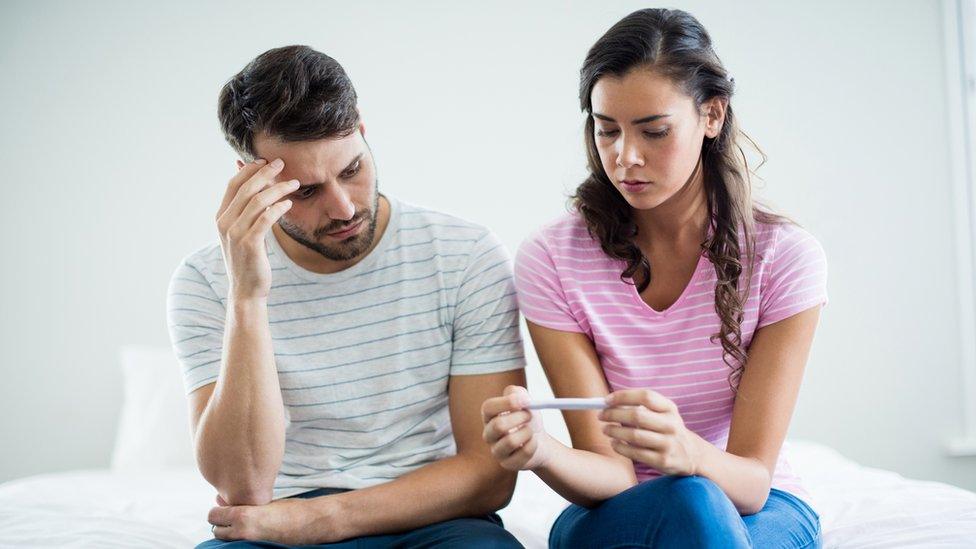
{"type": "Point", "coordinates": [364, 355]}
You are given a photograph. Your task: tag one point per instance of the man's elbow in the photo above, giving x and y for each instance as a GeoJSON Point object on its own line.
{"type": "Point", "coordinates": [240, 491]}
{"type": "Point", "coordinates": [499, 488]}
{"type": "Point", "coordinates": [248, 496]}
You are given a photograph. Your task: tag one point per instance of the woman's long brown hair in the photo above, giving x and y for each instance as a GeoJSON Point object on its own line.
{"type": "Point", "coordinates": [674, 44]}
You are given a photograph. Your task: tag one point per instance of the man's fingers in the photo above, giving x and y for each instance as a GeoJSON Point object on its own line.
{"type": "Point", "coordinates": [261, 201]}
{"type": "Point", "coordinates": [272, 214]}
{"type": "Point", "coordinates": [226, 533]}
{"type": "Point", "coordinates": [242, 175]}
{"type": "Point", "coordinates": [255, 184]}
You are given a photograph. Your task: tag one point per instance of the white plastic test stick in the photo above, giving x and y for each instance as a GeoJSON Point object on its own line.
{"type": "Point", "coordinates": [567, 404]}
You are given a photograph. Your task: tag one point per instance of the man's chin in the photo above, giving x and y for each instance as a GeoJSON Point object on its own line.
{"type": "Point", "coordinates": [343, 250]}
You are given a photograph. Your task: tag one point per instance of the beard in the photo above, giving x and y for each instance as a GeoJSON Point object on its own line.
{"type": "Point", "coordinates": [349, 248]}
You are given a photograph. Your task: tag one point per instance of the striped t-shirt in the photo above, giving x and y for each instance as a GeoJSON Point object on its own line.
{"type": "Point", "coordinates": [364, 355]}
{"type": "Point", "coordinates": [566, 282]}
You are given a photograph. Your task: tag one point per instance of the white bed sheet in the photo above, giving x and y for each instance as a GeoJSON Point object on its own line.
{"type": "Point", "coordinates": [859, 507]}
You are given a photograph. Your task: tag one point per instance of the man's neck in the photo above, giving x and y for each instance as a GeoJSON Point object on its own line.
{"type": "Point", "coordinates": [310, 260]}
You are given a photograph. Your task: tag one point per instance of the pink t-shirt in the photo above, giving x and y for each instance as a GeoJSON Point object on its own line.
{"type": "Point", "coordinates": [566, 282]}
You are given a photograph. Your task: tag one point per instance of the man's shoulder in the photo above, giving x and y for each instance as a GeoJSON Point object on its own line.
{"type": "Point", "coordinates": [423, 231]}
{"type": "Point", "coordinates": [200, 272]}
{"type": "Point", "coordinates": [208, 259]}
{"type": "Point", "coordinates": [438, 225]}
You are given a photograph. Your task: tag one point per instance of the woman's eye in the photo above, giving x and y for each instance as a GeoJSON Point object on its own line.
{"type": "Point", "coordinates": [606, 133]}
{"type": "Point", "coordinates": [657, 135]}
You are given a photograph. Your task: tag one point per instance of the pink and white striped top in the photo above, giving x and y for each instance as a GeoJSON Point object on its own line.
{"type": "Point", "coordinates": [566, 282]}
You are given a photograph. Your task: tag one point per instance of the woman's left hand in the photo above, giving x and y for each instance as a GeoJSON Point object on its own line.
{"type": "Point", "coordinates": [645, 426]}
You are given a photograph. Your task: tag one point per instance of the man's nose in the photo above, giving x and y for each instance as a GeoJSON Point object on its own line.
{"type": "Point", "coordinates": [337, 203]}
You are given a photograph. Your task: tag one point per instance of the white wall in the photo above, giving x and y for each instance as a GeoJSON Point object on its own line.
{"type": "Point", "coordinates": [113, 164]}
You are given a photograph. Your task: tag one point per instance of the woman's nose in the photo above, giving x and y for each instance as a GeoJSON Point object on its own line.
{"type": "Point", "coordinates": [629, 154]}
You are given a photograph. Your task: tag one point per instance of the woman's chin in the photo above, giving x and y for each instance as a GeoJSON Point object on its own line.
{"type": "Point", "coordinates": [643, 201]}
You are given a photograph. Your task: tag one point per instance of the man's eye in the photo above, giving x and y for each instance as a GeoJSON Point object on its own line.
{"type": "Point", "coordinates": [351, 171]}
{"type": "Point", "coordinates": [304, 192]}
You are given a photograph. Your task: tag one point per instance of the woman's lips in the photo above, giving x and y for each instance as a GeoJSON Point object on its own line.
{"type": "Point", "coordinates": [346, 233]}
{"type": "Point", "coordinates": [634, 186]}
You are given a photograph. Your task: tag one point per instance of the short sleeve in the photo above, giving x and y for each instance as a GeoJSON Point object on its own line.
{"type": "Point", "coordinates": [797, 277]}
{"type": "Point", "coordinates": [486, 322]}
{"type": "Point", "coordinates": [540, 291]}
{"type": "Point", "coordinates": [195, 315]}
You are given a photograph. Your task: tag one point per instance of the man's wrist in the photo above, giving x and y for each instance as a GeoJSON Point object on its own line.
{"type": "Point", "coordinates": [246, 304]}
{"type": "Point", "coordinates": [330, 517]}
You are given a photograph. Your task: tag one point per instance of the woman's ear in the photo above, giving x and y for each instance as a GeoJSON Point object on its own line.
{"type": "Point", "coordinates": [240, 164]}
{"type": "Point", "coordinates": [715, 117]}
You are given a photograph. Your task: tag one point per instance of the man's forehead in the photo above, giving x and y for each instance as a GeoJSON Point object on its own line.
{"type": "Point", "coordinates": [310, 160]}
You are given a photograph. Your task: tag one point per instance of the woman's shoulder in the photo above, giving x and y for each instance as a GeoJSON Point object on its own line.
{"type": "Point", "coordinates": [783, 241]}
{"type": "Point", "coordinates": [565, 235]}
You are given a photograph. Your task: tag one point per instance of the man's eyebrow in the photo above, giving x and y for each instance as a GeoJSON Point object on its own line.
{"type": "Point", "coordinates": [650, 118]}
{"type": "Point", "coordinates": [352, 163]}
{"type": "Point", "coordinates": [348, 167]}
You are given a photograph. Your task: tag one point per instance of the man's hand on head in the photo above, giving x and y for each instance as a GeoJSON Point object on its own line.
{"type": "Point", "coordinates": [252, 203]}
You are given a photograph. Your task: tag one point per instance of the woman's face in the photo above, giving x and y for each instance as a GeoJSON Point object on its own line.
{"type": "Point", "coordinates": [649, 135]}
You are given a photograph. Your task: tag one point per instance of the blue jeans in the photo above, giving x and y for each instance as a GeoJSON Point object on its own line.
{"type": "Point", "coordinates": [693, 511]}
{"type": "Point", "coordinates": [482, 532]}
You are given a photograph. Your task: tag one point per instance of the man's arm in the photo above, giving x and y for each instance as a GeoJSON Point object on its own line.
{"type": "Point", "coordinates": [470, 483]}
{"type": "Point", "coordinates": [238, 423]}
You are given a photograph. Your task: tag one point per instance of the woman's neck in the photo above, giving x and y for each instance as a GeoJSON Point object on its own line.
{"type": "Point", "coordinates": [680, 221]}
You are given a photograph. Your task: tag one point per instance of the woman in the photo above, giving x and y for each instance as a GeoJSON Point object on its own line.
{"type": "Point", "coordinates": [670, 292]}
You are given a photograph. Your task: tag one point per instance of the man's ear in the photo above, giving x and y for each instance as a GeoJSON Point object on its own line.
{"type": "Point", "coordinates": [240, 163]}
{"type": "Point", "coordinates": [362, 125]}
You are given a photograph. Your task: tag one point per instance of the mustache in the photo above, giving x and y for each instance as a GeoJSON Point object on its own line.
{"type": "Point", "coordinates": [337, 225]}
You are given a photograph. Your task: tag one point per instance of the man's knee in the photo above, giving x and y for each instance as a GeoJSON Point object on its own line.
{"type": "Point", "coordinates": [473, 533]}
{"type": "Point", "coordinates": [239, 544]}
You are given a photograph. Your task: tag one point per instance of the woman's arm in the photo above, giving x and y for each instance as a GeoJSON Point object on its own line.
{"type": "Point", "coordinates": [763, 408]}
{"type": "Point", "coordinates": [590, 471]}
{"type": "Point", "coordinates": [647, 427]}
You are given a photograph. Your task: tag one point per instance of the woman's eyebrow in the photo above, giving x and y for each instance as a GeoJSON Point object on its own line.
{"type": "Point", "coordinates": [650, 118]}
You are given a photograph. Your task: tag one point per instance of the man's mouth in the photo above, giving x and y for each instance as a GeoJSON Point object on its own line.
{"type": "Point", "coordinates": [348, 230]}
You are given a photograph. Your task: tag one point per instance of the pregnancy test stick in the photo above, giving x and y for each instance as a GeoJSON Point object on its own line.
{"type": "Point", "coordinates": [567, 404]}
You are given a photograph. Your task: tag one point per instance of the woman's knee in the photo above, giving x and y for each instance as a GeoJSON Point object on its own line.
{"type": "Point", "coordinates": [696, 497]}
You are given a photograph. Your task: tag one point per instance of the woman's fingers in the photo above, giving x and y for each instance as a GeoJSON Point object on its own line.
{"type": "Point", "coordinates": [504, 423]}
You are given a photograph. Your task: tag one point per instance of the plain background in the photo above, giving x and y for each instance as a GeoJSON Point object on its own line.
{"type": "Point", "coordinates": [113, 165]}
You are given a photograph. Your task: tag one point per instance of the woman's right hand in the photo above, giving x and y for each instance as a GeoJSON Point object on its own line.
{"type": "Point", "coordinates": [516, 436]}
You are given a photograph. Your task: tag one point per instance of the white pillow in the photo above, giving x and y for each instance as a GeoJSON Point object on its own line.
{"type": "Point", "coordinates": [154, 426]}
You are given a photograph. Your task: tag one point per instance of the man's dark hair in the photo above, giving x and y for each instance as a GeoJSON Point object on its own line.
{"type": "Point", "coordinates": [293, 93]}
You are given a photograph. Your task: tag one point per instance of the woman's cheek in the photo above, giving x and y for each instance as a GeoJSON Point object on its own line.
{"type": "Point", "coordinates": [668, 162]}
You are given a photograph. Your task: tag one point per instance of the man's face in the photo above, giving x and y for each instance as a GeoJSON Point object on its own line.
{"type": "Point", "coordinates": [334, 212]}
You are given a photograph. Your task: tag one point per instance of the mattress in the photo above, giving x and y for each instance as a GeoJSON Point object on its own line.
{"type": "Point", "coordinates": [859, 506]}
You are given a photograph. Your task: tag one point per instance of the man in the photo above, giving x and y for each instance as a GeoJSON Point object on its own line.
{"type": "Point", "coordinates": [337, 344]}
